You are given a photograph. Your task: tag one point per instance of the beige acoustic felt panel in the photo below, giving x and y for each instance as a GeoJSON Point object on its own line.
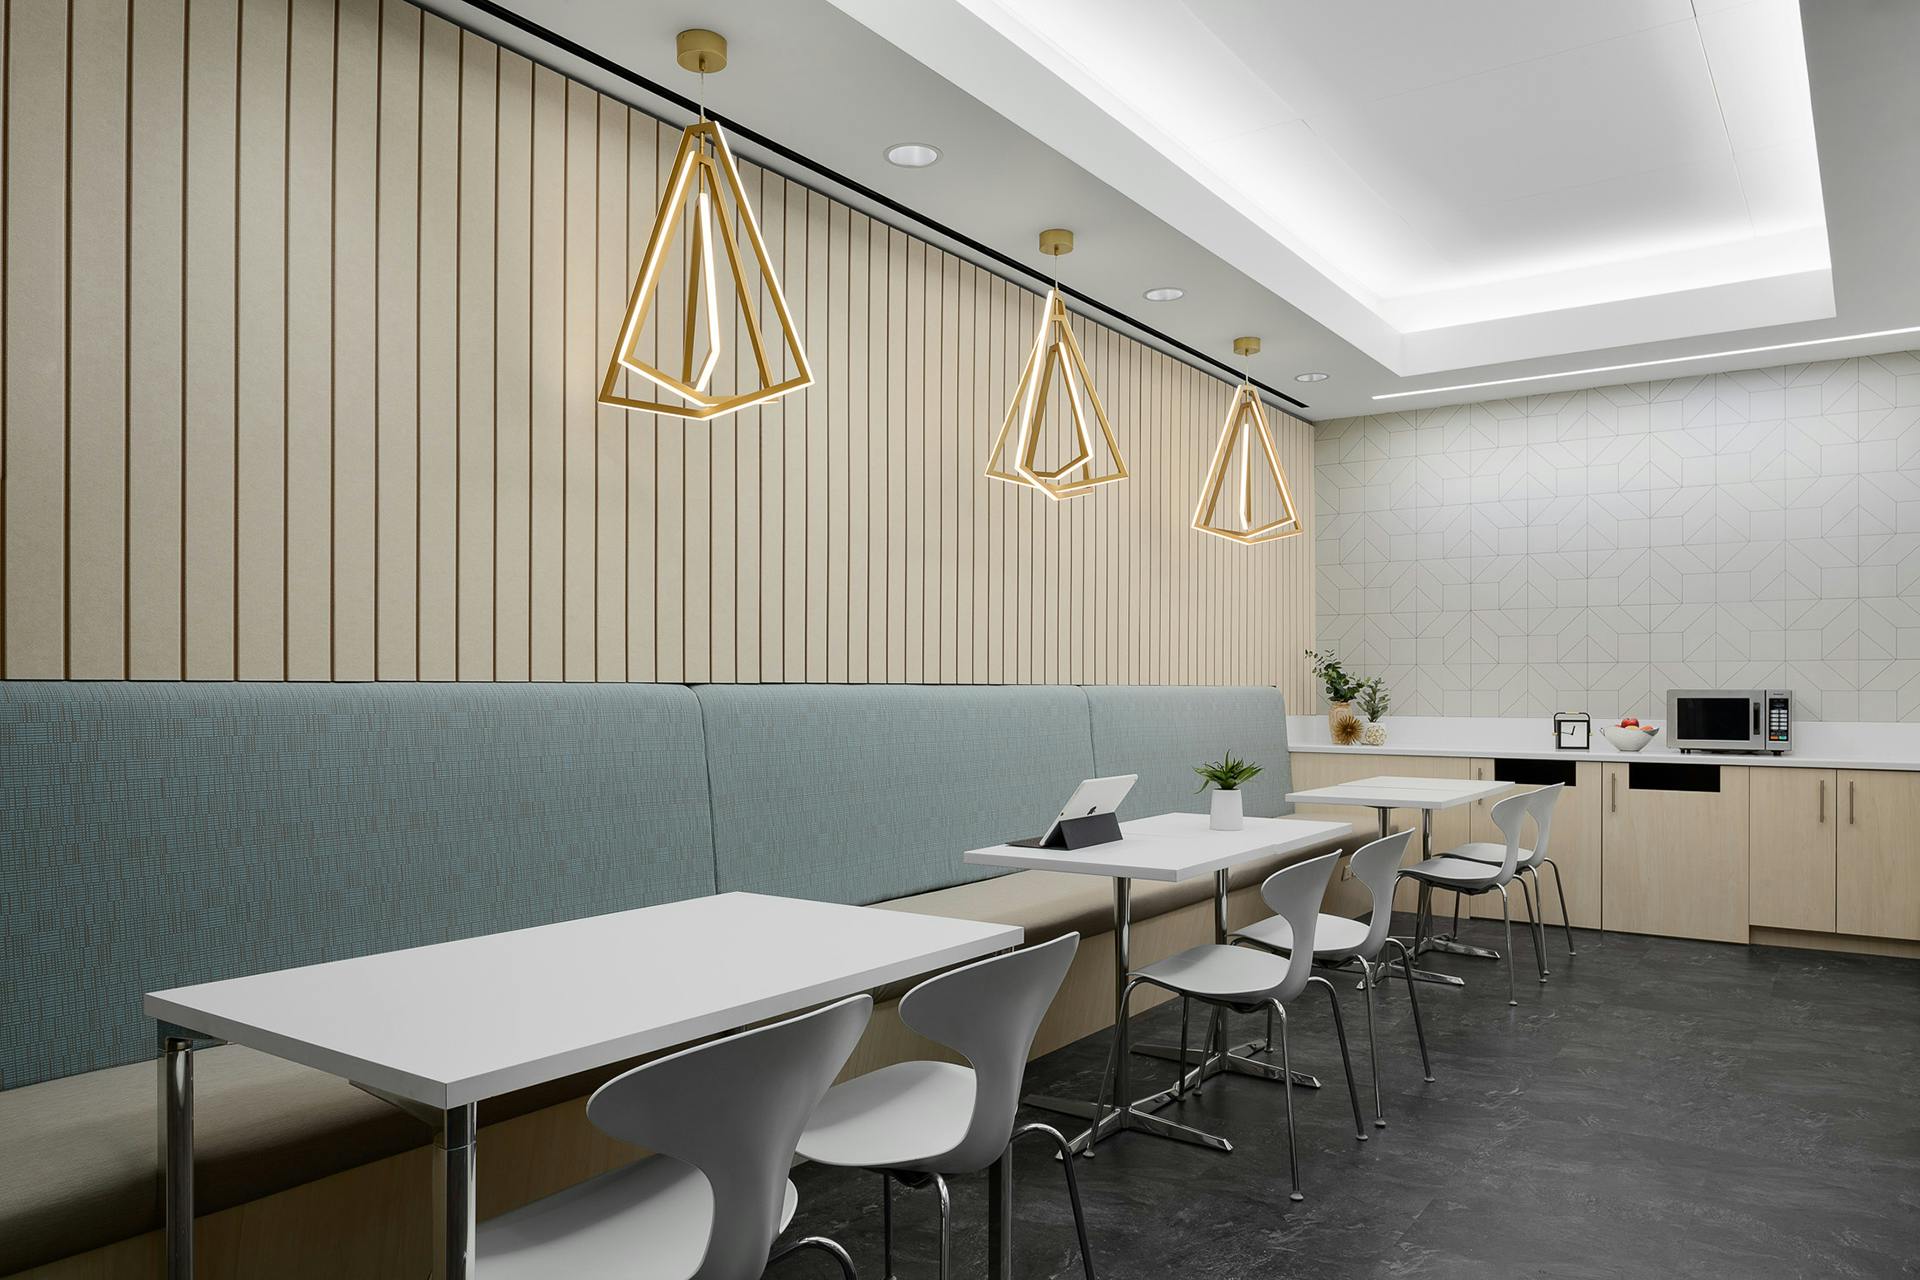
{"type": "Point", "coordinates": [306, 303]}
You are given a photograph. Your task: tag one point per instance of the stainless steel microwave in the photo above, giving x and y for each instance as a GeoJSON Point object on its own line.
{"type": "Point", "coordinates": [1730, 720]}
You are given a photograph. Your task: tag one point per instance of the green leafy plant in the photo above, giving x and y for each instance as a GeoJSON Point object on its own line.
{"type": "Point", "coordinates": [1372, 698]}
{"type": "Point", "coordinates": [1227, 773]}
{"type": "Point", "coordinates": [1340, 686]}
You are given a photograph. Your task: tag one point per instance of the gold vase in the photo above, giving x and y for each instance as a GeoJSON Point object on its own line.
{"type": "Point", "coordinates": [1337, 709]}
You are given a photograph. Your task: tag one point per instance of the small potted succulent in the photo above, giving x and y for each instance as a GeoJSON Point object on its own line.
{"type": "Point", "coordinates": [1372, 700]}
{"type": "Point", "coordinates": [1226, 776]}
{"type": "Point", "coordinates": [1340, 686]}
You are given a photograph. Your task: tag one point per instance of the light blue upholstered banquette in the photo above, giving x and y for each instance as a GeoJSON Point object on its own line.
{"type": "Point", "coordinates": [154, 835]}
{"type": "Point", "coordinates": [1161, 732]}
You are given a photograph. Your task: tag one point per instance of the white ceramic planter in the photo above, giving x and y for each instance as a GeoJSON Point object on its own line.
{"type": "Point", "coordinates": [1228, 813]}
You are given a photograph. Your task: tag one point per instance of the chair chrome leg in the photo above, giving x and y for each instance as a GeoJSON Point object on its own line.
{"type": "Point", "coordinates": [1413, 999]}
{"type": "Point", "coordinates": [946, 1226]}
{"type": "Point", "coordinates": [1506, 914]}
{"type": "Point", "coordinates": [1126, 1113]}
{"type": "Point", "coordinates": [1286, 1067]}
{"type": "Point", "coordinates": [1073, 1187]}
{"type": "Point", "coordinates": [886, 1226]}
{"type": "Point", "coordinates": [1346, 1058]}
{"type": "Point", "coordinates": [1533, 924]}
{"type": "Point", "coordinates": [1373, 1046]}
{"type": "Point", "coordinates": [829, 1247]}
{"type": "Point", "coordinates": [1180, 1085]}
{"type": "Point", "coordinates": [1560, 887]}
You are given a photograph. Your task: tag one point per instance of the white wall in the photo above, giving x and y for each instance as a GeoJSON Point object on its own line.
{"type": "Point", "coordinates": [1590, 550]}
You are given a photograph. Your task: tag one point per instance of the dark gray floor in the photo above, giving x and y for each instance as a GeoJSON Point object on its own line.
{"type": "Point", "coordinates": [1658, 1108]}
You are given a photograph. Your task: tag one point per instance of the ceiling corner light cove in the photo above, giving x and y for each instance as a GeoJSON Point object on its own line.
{"type": "Point", "coordinates": [912, 155]}
{"type": "Point", "coordinates": [1055, 352]}
{"type": "Point", "coordinates": [704, 193]}
{"type": "Point", "coordinates": [1164, 293]}
{"type": "Point", "coordinates": [1253, 510]}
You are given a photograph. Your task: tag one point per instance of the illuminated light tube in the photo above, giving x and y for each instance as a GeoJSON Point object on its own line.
{"type": "Point", "coordinates": [1650, 364]}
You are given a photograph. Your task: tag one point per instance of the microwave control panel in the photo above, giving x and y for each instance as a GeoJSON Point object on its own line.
{"type": "Point", "coordinates": [1779, 722]}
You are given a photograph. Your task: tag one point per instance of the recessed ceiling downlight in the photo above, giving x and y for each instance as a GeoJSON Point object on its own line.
{"type": "Point", "coordinates": [1310, 377]}
{"type": "Point", "coordinates": [1164, 293]}
{"type": "Point", "coordinates": [912, 155]}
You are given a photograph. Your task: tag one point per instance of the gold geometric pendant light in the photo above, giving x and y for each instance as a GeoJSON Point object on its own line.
{"type": "Point", "coordinates": [1229, 501]}
{"type": "Point", "coordinates": [1015, 457]}
{"type": "Point", "coordinates": [704, 193]}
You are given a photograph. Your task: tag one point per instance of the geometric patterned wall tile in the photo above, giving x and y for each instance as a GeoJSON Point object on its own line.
{"type": "Point", "coordinates": [1589, 550]}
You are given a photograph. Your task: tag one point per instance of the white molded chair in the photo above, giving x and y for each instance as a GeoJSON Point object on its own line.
{"type": "Point", "coordinates": [1471, 878]}
{"type": "Point", "coordinates": [1340, 940]}
{"type": "Point", "coordinates": [1531, 860]}
{"type": "Point", "coordinates": [725, 1118]}
{"type": "Point", "coordinates": [919, 1123]}
{"type": "Point", "coordinates": [1243, 980]}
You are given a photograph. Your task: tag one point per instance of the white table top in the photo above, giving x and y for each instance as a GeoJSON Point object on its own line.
{"type": "Point", "coordinates": [1169, 846]}
{"type": "Point", "coordinates": [456, 1022]}
{"type": "Point", "coordinates": [1389, 792]}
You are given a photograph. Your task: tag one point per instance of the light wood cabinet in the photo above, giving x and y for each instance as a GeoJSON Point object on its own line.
{"type": "Point", "coordinates": [1324, 768]}
{"type": "Point", "coordinates": [1877, 882]}
{"type": "Point", "coordinates": [1794, 815]}
{"type": "Point", "coordinates": [1574, 846]}
{"type": "Point", "coordinates": [1674, 850]}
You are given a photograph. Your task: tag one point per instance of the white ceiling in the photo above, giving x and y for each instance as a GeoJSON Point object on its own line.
{"type": "Point", "coordinates": [1421, 193]}
{"type": "Point", "coordinates": [1445, 166]}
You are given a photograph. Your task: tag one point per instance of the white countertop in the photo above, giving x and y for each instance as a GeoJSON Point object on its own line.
{"type": "Point", "coordinates": [1817, 744]}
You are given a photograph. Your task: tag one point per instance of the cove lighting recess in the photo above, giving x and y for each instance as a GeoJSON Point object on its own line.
{"type": "Point", "coordinates": [1164, 293]}
{"type": "Point", "coordinates": [1649, 364]}
{"type": "Point", "coordinates": [912, 155]}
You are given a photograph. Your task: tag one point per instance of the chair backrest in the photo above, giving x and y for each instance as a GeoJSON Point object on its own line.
{"type": "Point", "coordinates": [734, 1109]}
{"type": "Point", "coordinates": [1510, 815]}
{"type": "Point", "coordinates": [1542, 808]}
{"type": "Point", "coordinates": [988, 1012]}
{"type": "Point", "coordinates": [1295, 894]}
{"type": "Point", "coordinates": [1377, 866]}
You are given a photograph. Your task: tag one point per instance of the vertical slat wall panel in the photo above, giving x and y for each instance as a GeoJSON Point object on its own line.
{"type": "Point", "coordinates": [155, 215]}
{"type": "Point", "coordinates": [397, 517]}
{"type": "Point", "coordinates": [355, 364]}
{"type": "Point", "coordinates": [309, 331]}
{"type": "Point", "coordinates": [513, 386]}
{"type": "Point", "coordinates": [474, 429]}
{"type": "Point", "coordinates": [436, 448]}
{"type": "Point", "coordinates": [299, 370]}
{"type": "Point", "coordinates": [36, 308]}
{"type": "Point", "coordinates": [97, 349]}
{"type": "Point", "coordinates": [260, 442]}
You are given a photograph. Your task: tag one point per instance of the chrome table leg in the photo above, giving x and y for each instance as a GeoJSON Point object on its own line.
{"type": "Point", "coordinates": [176, 1133]}
{"type": "Point", "coordinates": [1238, 1060]}
{"type": "Point", "coordinates": [455, 1219]}
{"type": "Point", "coordinates": [1000, 1217]}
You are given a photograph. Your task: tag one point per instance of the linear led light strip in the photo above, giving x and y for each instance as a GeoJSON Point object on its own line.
{"type": "Point", "coordinates": [1649, 364]}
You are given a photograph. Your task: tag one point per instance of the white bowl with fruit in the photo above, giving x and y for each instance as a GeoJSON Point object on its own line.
{"type": "Point", "coordinates": [1629, 734]}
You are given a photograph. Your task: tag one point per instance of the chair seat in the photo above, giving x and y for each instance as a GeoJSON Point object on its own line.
{"type": "Point", "coordinates": [1214, 972]}
{"type": "Point", "coordinates": [899, 1117]}
{"type": "Point", "coordinates": [1333, 935]}
{"type": "Point", "coordinates": [645, 1221]}
{"type": "Point", "coordinates": [1489, 851]}
{"type": "Point", "coordinates": [1455, 873]}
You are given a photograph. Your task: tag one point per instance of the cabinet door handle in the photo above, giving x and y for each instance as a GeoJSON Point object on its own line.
{"type": "Point", "coordinates": [1849, 802]}
{"type": "Point", "coordinates": [1823, 800]}
{"type": "Point", "coordinates": [1613, 793]}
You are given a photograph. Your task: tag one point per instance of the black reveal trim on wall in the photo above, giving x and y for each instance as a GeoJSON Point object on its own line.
{"type": "Point", "coordinates": [574, 49]}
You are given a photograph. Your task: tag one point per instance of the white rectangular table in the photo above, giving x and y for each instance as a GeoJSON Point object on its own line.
{"type": "Point", "coordinates": [1167, 847]}
{"type": "Point", "coordinates": [1388, 792]}
{"type": "Point", "coordinates": [435, 1029]}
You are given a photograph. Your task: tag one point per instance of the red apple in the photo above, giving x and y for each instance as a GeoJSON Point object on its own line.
{"type": "Point", "coordinates": [1630, 723]}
